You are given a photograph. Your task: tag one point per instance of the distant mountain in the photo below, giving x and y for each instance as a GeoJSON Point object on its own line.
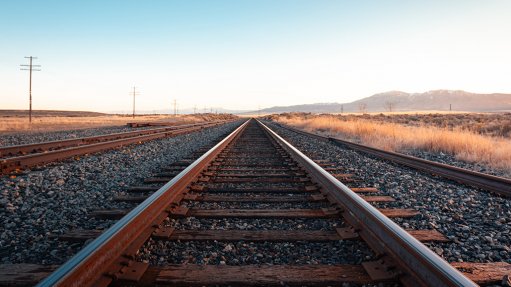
{"type": "Point", "coordinates": [309, 108]}
{"type": "Point", "coordinates": [437, 100]}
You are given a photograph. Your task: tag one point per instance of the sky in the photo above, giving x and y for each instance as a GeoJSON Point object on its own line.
{"type": "Point", "coordinates": [245, 55]}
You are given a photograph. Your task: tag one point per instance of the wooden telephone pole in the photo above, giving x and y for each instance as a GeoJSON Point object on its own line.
{"type": "Point", "coordinates": [30, 68]}
{"type": "Point", "coordinates": [134, 93]}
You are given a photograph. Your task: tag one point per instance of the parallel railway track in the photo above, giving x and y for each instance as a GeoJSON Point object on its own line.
{"type": "Point", "coordinates": [255, 166]}
{"type": "Point", "coordinates": [24, 156]}
{"type": "Point", "coordinates": [495, 184]}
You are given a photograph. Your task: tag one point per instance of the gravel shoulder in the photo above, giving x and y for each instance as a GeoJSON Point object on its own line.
{"type": "Point", "coordinates": [38, 205]}
{"type": "Point", "coordinates": [477, 223]}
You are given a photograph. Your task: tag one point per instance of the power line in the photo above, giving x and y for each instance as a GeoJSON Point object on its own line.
{"type": "Point", "coordinates": [134, 93]}
{"type": "Point", "coordinates": [30, 68]}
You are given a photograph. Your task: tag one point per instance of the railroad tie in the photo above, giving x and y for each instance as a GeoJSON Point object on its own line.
{"type": "Point", "coordinates": [199, 275]}
{"type": "Point", "coordinates": [167, 233]}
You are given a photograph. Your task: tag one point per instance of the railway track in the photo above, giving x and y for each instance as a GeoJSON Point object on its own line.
{"type": "Point", "coordinates": [252, 176]}
{"type": "Point", "coordinates": [19, 157]}
{"type": "Point", "coordinates": [495, 184]}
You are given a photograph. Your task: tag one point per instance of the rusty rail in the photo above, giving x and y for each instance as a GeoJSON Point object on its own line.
{"type": "Point", "coordinates": [90, 263]}
{"type": "Point", "coordinates": [498, 185]}
{"type": "Point", "coordinates": [423, 266]}
{"type": "Point", "coordinates": [59, 150]}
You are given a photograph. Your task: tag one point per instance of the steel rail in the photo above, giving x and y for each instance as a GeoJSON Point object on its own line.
{"type": "Point", "coordinates": [423, 267]}
{"type": "Point", "coordinates": [12, 163]}
{"type": "Point", "coordinates": [496, 184]}
{"type": "Point", "coordinates": [90, 263]}
{"type": "Point", "coordinates": [44, 146]}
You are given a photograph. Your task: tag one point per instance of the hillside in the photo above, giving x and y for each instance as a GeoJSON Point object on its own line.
{"type": "Point", "coordinates": [437, 100]}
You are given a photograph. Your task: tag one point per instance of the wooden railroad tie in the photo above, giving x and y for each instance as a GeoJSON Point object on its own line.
{"type": "Point", "coordinates": [259, 213]}
{"type": "Point", "coordinates": [168, 233]}
{"type": "Point", "coordinates": [259, 199]}
{"type": "Point", "coordinates": [199, 275]}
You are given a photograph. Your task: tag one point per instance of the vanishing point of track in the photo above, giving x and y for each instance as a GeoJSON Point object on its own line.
{"type": "Point", "coordinates": [255, 160]}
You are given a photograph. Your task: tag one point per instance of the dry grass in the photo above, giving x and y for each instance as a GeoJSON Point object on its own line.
{"type": "Point", "coordinates": [55, 123]}
{"type": "Point", "coordinates": [463, 144]}
{"type": "Point", "coordinates": [491, 124]}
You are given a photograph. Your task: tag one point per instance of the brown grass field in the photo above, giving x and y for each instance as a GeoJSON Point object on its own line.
{"type": "Point", "coordinates": [483, 138]}
{"type": "Point", "coordinates": [11, 121]}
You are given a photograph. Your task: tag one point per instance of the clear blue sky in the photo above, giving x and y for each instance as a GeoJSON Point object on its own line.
{"type": "Point", "coordinates": [242, 54]}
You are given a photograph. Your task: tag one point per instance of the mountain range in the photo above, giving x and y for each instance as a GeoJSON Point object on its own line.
{"type": "Point", "coordinates": [436, 100]}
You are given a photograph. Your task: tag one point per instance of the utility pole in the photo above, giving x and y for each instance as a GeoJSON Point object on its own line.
{"type": "Point", "coordinates": [30, 69]}
{"type": "Point", "coordinates": [195, 109]}
{"type": "Point", "coordinates": [175, 108]}
{"type": "Point", "coordinates": [134, 93]}
{"type": "Point", "coordinates": [342, 109]}
{"type": "Point", "coordinates": [450, 108]}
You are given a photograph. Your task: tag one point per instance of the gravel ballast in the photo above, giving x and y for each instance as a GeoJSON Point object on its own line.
{"type": "Point", "coordinates": [244, 253]}
{"type": "Point", "coordinates": [192, 223]}
{"type": "Point", "coordinates": [38, 205]}
{"type": "Point", "coordinates": [477, 222]}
